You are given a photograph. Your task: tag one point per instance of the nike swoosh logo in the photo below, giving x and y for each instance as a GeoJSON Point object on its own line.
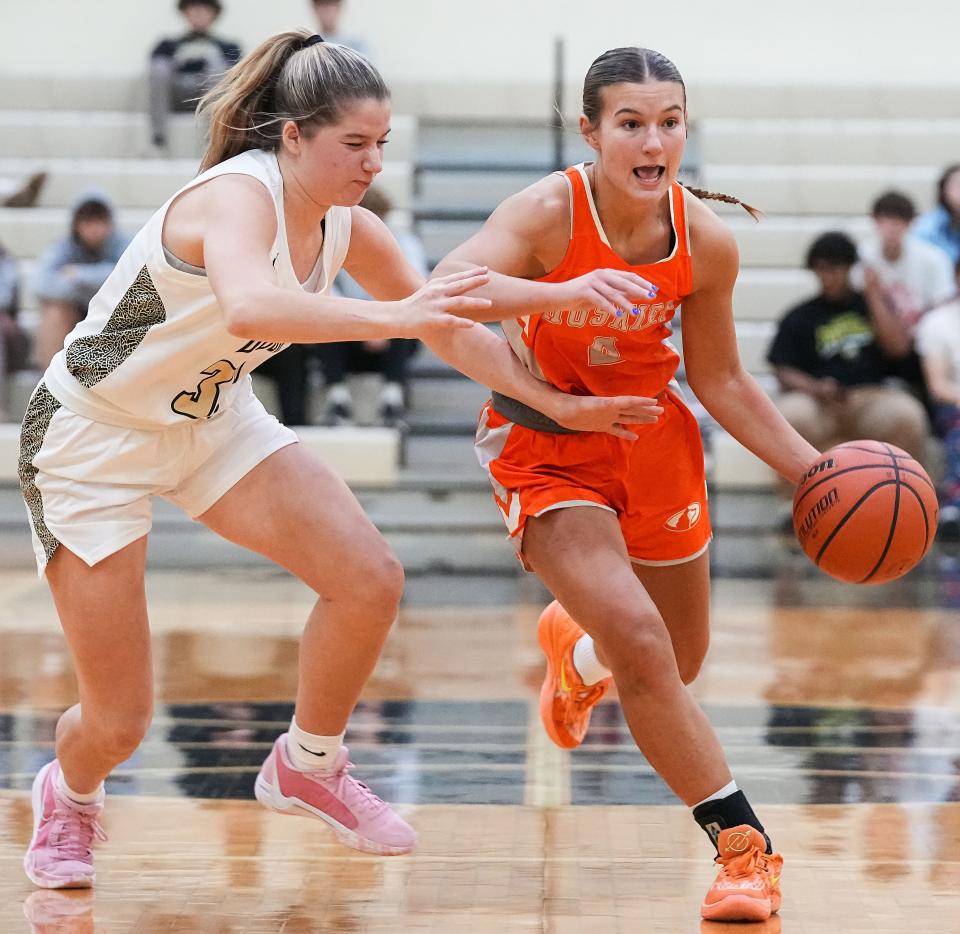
{"type": "Point", "coordinates": [774, 881]}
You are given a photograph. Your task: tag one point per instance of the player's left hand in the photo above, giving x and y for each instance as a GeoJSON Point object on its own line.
{"type": "Point", "coordinates": [609, 414]}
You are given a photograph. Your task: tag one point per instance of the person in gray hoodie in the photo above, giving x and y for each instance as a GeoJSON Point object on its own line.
{"type": "Point", "coordinates": [72, 270]}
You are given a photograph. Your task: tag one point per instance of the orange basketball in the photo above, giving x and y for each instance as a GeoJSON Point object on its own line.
{"type": "Point", "coordinates": [865, 512]}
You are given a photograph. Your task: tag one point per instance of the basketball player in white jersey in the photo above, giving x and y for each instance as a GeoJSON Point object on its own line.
{"type": "Point", "coordinates": [151, 396]}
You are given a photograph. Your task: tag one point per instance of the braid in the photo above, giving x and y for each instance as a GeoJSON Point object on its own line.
{"type": "Point", "coordinates": [755, 213]}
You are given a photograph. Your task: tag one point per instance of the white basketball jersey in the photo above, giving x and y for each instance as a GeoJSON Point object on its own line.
{"type": "Point", "coordinates": [154, 350]}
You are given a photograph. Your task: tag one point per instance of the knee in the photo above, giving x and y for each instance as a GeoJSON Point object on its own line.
{"type": "Point", "coordinates": [641, 654]}
{"type": "Point", "coordinates": [376, 583]}
{"type": "Point", "coordinates": [118, 736]}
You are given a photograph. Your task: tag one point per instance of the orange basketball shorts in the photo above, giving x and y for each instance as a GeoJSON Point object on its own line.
{"type": "Point", "coordinates": [655, 485]}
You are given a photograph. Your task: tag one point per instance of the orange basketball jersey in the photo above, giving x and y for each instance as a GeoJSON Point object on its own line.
{"type": "Point", "coordinates": [594, 352]}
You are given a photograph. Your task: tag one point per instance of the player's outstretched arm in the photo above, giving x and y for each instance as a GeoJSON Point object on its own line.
{"type": "Point", "coordinates": [382, 270]}
{"type": "Point", "coordinates": [239, 228]}
{"type": "Point", "coordinates": [525, 238]}
{"type": "Point", "coordinates": [712, 361]}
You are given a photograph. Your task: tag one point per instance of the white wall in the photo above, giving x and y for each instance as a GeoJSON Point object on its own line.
{"type": "Point", "coordinates": [756, 41]}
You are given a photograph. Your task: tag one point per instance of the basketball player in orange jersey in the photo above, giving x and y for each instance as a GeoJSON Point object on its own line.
{"type": "Point", "coordinates": [151, 396]}
{"type": "Point", "coordinates": [617, 528]}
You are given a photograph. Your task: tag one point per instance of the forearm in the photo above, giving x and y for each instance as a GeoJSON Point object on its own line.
{"type": "Point", "coordinates": [512, 297]}
{"type": "Point", "coordinates": [487, 359]}
{"type": "Point", "coordinates": [282, 315]}
{"type": "Point", "coordinates": [742, 409]}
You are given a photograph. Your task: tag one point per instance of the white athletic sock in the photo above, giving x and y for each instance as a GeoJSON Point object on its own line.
{"type": "Point", "coordinates": [308, 751]}
{"type": "Point", "coordinates": [94, 797]}
{"type": "Point", "coordinates": [725, 792]}
{"type": "Point", "coordinates": [586, 662]}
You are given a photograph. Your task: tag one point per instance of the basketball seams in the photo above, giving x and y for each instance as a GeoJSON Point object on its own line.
{"type": "Point", "coordinates": [846, 470]}
{"type": "Point", "coordinates": [893, 522]}
{"type": "Point", "coordinates": [923, 509]}
{"type": "Point", "coordinates": [846, 516]}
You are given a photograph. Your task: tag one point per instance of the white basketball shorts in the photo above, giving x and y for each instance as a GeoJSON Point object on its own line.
{"type": "Point", "coordinates": [89, 485]}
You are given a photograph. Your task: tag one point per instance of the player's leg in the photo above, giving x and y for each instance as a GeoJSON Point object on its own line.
{"type": "Point", "coordinates": [103, 613]}
{"type": "Point", "coordinates": [295, 511]}
{"type": "Point", "coordinates": [681, 593]}
{"type": "Point", "coordinates": [580, 555]}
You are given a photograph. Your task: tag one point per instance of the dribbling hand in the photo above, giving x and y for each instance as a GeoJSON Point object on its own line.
{"type": "Point", "coordinates": [435, 308]}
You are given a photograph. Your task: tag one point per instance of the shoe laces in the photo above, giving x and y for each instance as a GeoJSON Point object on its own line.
{"type": "Point", "coordinates": [341, 777]}
{"type": "Point", "coordinates": [743, 865]}
{"type": "Point", "coordinates": [74, 832]}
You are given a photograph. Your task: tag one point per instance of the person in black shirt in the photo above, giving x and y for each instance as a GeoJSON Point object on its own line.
{"type": "Point", "coordinates": [831, 360]}
{"type": "Point", "coordinates": [183, 69]}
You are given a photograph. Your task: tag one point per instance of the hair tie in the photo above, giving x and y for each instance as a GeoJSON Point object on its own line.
{"type": "Point", "coordinates": [313, 40]}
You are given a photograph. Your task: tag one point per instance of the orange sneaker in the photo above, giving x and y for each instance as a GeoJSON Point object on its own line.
{"type": "Point", "coordinates": [565, 701]}
{"type": "Point", "coordinates": [747, 887]}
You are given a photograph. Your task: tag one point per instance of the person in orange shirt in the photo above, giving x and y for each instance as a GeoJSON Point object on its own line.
{"type": "Point", "coordinates": [616, 526]}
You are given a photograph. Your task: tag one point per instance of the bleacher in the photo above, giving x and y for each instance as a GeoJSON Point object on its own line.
{"type": "Point", "coordinates": [812, 159]}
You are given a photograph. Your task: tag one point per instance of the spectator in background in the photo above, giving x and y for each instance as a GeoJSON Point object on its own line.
{"type": "Point", "coordinates": [906, 276]}
{"type": "Point", "coordinates": [938, 344]}
{"type": "Point", "coordinates": [941, 226]}
{"type": "Point", "coordinates": [71, 271]}
{"type": "Point", "coordinates": [183, 69]}
{"type": "Point", "coordinates": [829, 359]}
{"type": "Point", "coordinates": [14, 345]}
{"type": "Point", "coordinates": [328, 14]}
{"type": "Point", "coordinates": [387, 357]}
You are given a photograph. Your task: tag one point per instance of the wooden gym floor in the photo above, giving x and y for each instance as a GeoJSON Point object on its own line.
{"type": "Point", "coordinates": [839, 708]}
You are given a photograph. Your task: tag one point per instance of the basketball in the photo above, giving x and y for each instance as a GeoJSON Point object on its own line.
{"type": "Point", "coordinates": [865, 512]}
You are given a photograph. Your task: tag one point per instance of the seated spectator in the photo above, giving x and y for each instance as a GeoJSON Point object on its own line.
{"type": "Point", "coordinates": [829, 360]}
{"type": "Point", "coordinates": [328, 13]}
{"type": "Point", "coordinates": [387, 357]}
{"type": "Point", "coordinates": [183, 69]}
{"type": "Point", "coordinates": [908, 276]}
{"type": "Point", "coordinates": [938, 343]}
{"type": "Point", "coordinates": [21, 193]}
{"type": "Point", "coordinates": [71, 272]}
{"type": "Point", "coordinates": [14, 345]}
{"type": "Point", "coordinates": [941, 226]}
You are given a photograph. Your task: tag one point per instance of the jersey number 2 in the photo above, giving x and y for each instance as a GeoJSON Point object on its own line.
{"type": "Point", "coordinates": [603, 351]}
{"type": "Point", "coordinates": [202, 402]}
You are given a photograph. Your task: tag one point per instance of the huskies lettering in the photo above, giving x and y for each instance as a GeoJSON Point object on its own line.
{"type": "Point", "coordinates": [826, 502]}
{"type": "Point", "coordinates": [251, 346]}
{"type": "Point", "coordinates": [641, 317]}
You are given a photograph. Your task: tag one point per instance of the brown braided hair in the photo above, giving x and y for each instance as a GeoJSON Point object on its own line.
{"type": "Point", "coordinates": [635, 65]}
{"type": "Point", "coordinates": [755, 213]}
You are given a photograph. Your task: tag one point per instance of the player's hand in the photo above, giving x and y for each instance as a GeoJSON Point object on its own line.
{"type": "Point", "coordinates": [612, 290]}
{"type": "Point", "coordinates": [434, 308]}
{"type": "Point", "coordinates": [607, 414]}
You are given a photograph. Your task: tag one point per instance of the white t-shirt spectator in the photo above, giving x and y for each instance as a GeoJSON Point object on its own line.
{"type": "Point", "coordinates": [919, 280]}
{"type": "Point", "coordinates": [938, 336]}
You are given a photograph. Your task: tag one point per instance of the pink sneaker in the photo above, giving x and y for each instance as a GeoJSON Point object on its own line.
{"type": "Point", "coordinates": [60, 855]}
{"type": "Point", "coordinates": [355, 814]}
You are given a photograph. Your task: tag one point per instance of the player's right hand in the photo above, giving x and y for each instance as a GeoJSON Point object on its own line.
{"type": "Point", "coordinates": [612, 290]}
{"type": "Point", "coordinates": [437, 306]}
{"type": "Point", "coordinates": [608, 414]}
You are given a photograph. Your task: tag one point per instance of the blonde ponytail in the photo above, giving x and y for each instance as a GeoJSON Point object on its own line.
{"type": "Point", "coordinates": [284, 78]}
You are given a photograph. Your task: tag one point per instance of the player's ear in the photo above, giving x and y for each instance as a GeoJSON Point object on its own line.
{"type": "Point", "coordinates": [291, 137]}
{"type": "Point", "coordinates": [588, 132]}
